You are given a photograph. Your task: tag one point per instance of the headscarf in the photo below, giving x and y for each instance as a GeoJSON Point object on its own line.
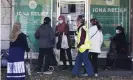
{"type": "Point", "coordinates": [61, 27]}
{"type": "Point", "coordinates": [15, 31]}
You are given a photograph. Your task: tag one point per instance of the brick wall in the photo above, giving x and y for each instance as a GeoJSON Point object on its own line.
{"type": "Point", "coordinates": [6, 23]}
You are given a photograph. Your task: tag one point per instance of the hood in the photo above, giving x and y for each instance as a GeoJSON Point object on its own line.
{"type": "Point", "coordinates": [62, 17]}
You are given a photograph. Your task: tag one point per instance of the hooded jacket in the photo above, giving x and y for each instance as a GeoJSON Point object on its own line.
{"type": "Point", "coordinates": [45, 36]}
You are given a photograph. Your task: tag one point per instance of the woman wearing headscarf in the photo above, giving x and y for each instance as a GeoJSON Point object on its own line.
{"type": "Point", "coordinates": [118, 46]}
{"type": "Point", "coordinates": [18, 46]}
{"type": "Point", "coordinates": [45, 36]}
{"type": "Point", "coordinates": [61, 28]}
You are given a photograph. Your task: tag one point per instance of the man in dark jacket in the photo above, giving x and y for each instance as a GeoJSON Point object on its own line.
{"type": "Point", "coordinates": [45, 36]}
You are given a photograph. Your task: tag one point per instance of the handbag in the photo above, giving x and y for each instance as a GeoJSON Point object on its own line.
{"type": "Point", "coordinates": [64, 43]}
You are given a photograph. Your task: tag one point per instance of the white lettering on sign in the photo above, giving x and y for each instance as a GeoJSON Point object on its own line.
{"type": "Point", "coordinates": [35, 14]}
{"type": "Point", "coordinates": [99, 9]}
{"type": "Point", "coordinates": [32, 13]}
{"type": "Point", "coordinates": [117, 9]}
{"type": "Point", "coordinates": [23, 13]}
{"type": "Point", "coordinates": [109, 9]}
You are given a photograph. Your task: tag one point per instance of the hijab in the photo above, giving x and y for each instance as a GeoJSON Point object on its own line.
{"type": "Point", "coordinates": [61, 26]}
{"type": "Point", "coordinates": [15, 31]}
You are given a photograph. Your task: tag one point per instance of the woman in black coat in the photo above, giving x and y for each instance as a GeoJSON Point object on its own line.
{"type": "Point", "coordinates": [118, 46]}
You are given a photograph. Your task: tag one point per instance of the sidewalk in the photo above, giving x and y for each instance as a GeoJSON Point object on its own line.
{"type": "Point", "coordinates": [66, 75]}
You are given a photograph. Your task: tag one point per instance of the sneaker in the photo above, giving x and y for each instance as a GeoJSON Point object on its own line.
{"type": "Point", "coordinates": [39, 71]}
{"type": "Point", "coordinates": [96, 75]}
{"type": "Point", "coordinates": [84, 74]}
{"type": "Point", "coordinates": [47, 72]}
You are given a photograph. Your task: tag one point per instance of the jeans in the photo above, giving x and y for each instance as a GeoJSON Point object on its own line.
{"type": "Point", "coordinates": [82, 57]}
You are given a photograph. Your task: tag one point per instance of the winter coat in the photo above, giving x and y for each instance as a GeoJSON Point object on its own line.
{"type": "Point", "coordinates": [120, 41]}
{"type": "Point", "coordinates": [45, 36]}
{"type": "Point", "coordinates": [96, 38]}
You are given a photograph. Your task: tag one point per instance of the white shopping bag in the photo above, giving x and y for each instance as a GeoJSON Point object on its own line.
{"type": "Point", "coordinates": [57, 55]}
{"type": "Point", "coordinates": [64, 43]}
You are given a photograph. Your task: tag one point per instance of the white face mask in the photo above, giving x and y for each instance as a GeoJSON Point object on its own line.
{"type": "Point", "coordinates": [60, 21]}
{"type": "Point", "coordinates": [91, 25]}
{"type": "Point", "coordinates": [117, 31]}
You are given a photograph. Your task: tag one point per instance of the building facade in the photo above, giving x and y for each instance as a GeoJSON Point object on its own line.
{"type": "Point", "coordinates": [30, 13]}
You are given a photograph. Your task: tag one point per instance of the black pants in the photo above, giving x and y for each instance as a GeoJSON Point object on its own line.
{"type": "Point", "coordinates": [63, 56]}
{"type": "Point", "coordinates": [93, 57]}
{"type": "Point", "coordinates": [110, 62]}
{"type": "Point", "coordinates": [47, 52]}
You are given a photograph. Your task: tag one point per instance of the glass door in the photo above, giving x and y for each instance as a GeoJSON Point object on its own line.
{"type": "Point", "coordinates": [72, 8]}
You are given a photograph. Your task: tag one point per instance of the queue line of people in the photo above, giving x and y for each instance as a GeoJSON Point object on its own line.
{"type": "Point", "coordinates": [88, 47]}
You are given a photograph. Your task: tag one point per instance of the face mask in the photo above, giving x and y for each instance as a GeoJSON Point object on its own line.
{"type": "Point", "coordinates": [117, 31]}
{"type": "Point", "coordinates": [91, 25]}
{"type": "Point", "coordinates": [60, 21]}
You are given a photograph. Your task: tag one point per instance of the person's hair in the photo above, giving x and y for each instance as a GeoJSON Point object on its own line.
{"type": "Point", "coordinates": [99, 26]}
{"type": "Point", "coordinates": [95, 22]}
{"type": "Point", "coordinates": [15, 31]}
{"type": "Point", "coordinates": [47, 20]}
{"type": "Point", "coordinates": [81, 19]}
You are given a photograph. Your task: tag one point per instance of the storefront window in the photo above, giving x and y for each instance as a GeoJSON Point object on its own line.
{"type": "Point", "coordinates": [30, 13]}
{"type": "Point", "coordinates": [110, 14]}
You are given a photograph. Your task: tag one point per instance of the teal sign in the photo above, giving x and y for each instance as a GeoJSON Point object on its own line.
{"type": "Point", "coordinates": [111, 16]}
{"type": "Point", "coordinates": [30, 13]}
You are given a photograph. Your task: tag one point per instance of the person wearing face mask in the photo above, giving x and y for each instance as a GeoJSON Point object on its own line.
{"type": "Point", "coordinates": [63, 28]}
{"type": "Point", "coordinates": [82, 48]}
{"type": "Point", "coordinates": [96, 38]}
{"type": "Point", "coordinates": [117, 43]}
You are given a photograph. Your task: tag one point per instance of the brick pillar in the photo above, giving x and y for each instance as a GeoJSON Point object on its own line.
{"type": "Point", "coordinates": [131, 27]}
{"type": "Point", "coordinates": [131, 31]}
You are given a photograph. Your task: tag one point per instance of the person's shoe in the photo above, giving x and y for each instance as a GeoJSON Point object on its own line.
{"type": "Point", "coordinates": [64, 68]}
{"type": "Point", "coordinates": [84, 74]}
{"type": "Point", "coordinates": [96, 75]}
{"type": "Point", "coordinates": [39, 71]}
{"type": "Point", "coordinates": [47, 72]}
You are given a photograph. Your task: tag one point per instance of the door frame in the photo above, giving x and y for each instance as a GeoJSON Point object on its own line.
{"type": "Point", "coordinates": [87, 9]}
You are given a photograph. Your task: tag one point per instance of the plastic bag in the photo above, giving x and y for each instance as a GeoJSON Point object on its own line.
{"type": "Point", "coordinates": [64, 43]}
